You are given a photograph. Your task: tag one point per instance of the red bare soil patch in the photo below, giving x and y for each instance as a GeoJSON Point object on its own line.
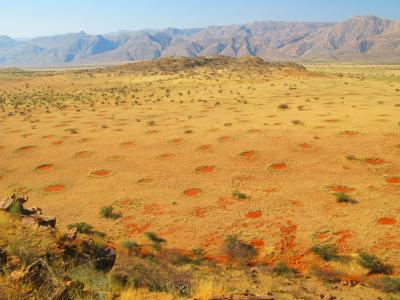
{"type": "Point", "coordinates": [386, 221]}
{"type": "Point", "coordinates": [272, 190]}
{"type": "Point", "coordinates": [115, 158]}
{"type": "Point", "coordinates": [224, 139]}
{"type": "Point", "coordinates": [279, 166]}
{"type": "Point", "coordinates": [44, 167]}
{"type": "Point", "coordinates": [102, 172]}
{"type": "Point", "coordinates": [322, 236]}
{"type": "Point", "coordinates": [288, 234]}
{"type": "Point", "coordinates": [253, 214]}
{"type": "Point", "coordinates": [349, 133]}
{"type": "Point", "coordinates": [332, 120]}
{"type": "Point", "coordinates": [205, 169]}
{"type": "Point", "coordinates": [199, 212]}
{"type": "Point", "coordinates": [374, 161]}
{"type": "Point", "coordinates": [54, 188]}
{"type": "Point", "coordinates": [341, 189]}
{"type": "Point", "coordinates": [126, 202]}
{"type": "Point", "coordinates": [128, 144]}
{"type": "Point", "coordinates": [152, 131]}
{"type": "Point", "coordinates": [305, 146]}
{"type": "Point", "coordinates": [82, 154]}
{"type": "Point", "coordinates": [192, 192]}
{"type": "Point", "coordinates": [248, 154]}
{"type": "Point", "coordinates": [175, 141]}
{"type": "Point", "coordinates": [1, 178]}
{"type": "Point", "coordinates": [132, 229]}
{"type": "Point", "coordinates": [27, 148]}
{"type": "Point", "coordinates": [153, 209]}
{"type": "Point", "coordinates": [58, 142]}
{"type": "Point", "coordinates": [258, 243]}
{"type": "Point", "coordinates": [165, 156]}
{"type": "Point", "coordinates": [224, 202]}
{"type": "Point", "coordinates": [204, 148]}
{"type": "Point", "coordinates": [84, 140]}
{"type": "Point", "coordinates": [393, 179]}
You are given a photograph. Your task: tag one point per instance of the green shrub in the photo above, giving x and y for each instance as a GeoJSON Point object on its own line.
{"type": "Point", "coordinates": [82, 227]}
{"type": "Point", "coordinates": [108, 212]}
{"type": "Point", "coordinates": [239, 195]}
{"type": "Point", "coordinates": [130, 245]}
{"type": "Point", "coordinates": [374, 264]}
{"type": "Point", "coordinates": [283, 269]}
{"type": "Point", "coordinates": [327, 252]}
{"type": "Point", "coordinates": [238, 250]}
{"type": "Point", "coordinates": [390, 284]}
{"type": "Point", "coordinates": [343, 198]}
{"type": "Point", "coordinates": [156, 240]}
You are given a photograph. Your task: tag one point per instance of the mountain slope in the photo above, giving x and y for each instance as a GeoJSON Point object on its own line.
{"type": "Point", "coordinates": [359, 38]}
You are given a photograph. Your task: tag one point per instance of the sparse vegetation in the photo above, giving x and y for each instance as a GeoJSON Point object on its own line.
{"type": "Point", "coordinates": [327, 252]}
{"type": "Point", "coordinates": [373, 264]}
{"type": "Point", "coordinates": [238, 250]}
{"type": "Point", "coordinates": [108, 212]}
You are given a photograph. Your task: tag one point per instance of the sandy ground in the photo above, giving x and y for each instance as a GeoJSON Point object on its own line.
{"type": "Point", "coordinates": [172, 164]}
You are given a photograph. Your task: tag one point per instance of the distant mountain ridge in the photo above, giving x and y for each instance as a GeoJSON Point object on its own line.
{"type": "Point", "coordinates": [365, 38]}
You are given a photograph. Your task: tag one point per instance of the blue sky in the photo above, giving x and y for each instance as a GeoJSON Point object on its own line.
{"type": "Point", "coordinates": [27, 18]}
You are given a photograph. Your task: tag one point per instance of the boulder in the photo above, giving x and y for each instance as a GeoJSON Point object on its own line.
{"type": "Point", "coordinates": [104, 259]}
{"type": "Point", "coordinates": [3, 257]}
{"type": "Point", "coordinates": [13, 201]}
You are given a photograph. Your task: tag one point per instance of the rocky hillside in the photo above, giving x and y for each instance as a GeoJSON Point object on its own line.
{"type": "Point", "coordinates": [367, 38]}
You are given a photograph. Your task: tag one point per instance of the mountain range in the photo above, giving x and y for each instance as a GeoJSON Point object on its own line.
{"type": "Point", "coordinates": [364, 38]}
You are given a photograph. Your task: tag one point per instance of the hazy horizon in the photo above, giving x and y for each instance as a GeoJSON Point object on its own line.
{"type": "Point", "coordinates": [103, 17]}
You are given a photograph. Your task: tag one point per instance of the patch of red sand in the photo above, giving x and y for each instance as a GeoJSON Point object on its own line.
{"type": "Point", "coordinates": [205, 169]}
{"type": "Point", "coordinates": [349, 133]}
{"type": "Point", "coordinates": [133, 229]}
{"type": "Point", "coordinates": [273, 190]}
{"type": "Point", "coordinates": [128, 144]}
{"type": "Point", "coordinates": [27, 148]}
{"type": "Point", "coordinates": [374, 161]}
{"type": "Point", "coordinates": [393, 179]}
{"type": "Point", "coordinates": [341, 189]}
{"type": "Point", "coordinates": [44, 167]}
{"type": "Point", "coordinates": [248, 154]}
{"type": "Point", "coordinates": [204, 148]}
{"type": "Point", "coordinates": [253, 214]}
{"type": "Point", "coordinates": [192, 192]}
{"type": "Point", "coordinates": [175, 141]}
{"type": "Point", "coordinates": [115, 158]}
{"type": "Point", "coordinates": [224, 138]}
{"type": "Point", "coordinates": [57, 142]}
{"type": "Point", "coordinates": [305, 146]}
{"type": "Point", "coordinates": [101, 172]}
{"type": "Point", "coordinates": [84, 140]}
{"type": "Point", "coordinates": [386, 221]}
{"type": "Point", "coordinates": [54, 188]}
{"type": "Point", "coordinates": [258, 243]}
{"type": "Point", "coordinates": [280, 166]}
{"type": "Point", "coordinates": [82, 154]}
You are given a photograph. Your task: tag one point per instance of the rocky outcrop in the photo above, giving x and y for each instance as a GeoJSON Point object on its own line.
{"type": "Point", "coordinates": [30, 216]}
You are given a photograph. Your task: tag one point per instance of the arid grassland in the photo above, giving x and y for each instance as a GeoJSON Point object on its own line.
{"type": "Point", "coordinates": [271, 178]}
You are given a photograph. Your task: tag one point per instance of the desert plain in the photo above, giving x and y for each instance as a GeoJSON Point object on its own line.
{"type": "Point", "coordinates": [195, 153]}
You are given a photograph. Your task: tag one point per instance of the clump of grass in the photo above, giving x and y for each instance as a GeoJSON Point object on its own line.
{"type": "Point", "coordinates": [282, 269]}
{"type": "Point", "coordinates": [351, 157]}
{"type": "Point", "coordinates": [239, 195]}
{"type": "Point", "coordinates": [238, 250]}
{"type": "Point", "coordinates": [374, 264]}
{"type": "Point", "coordinates": [156, 240]}
{"type": "Point", "coordinates": [108, 212]}
{"type": "Point", "coordinates": [283, 106]}
{"type": "Point", "coordinates": [390, 284]}
{"type": "Point", "coordinates": [81, 227]}
{"type": "Point", "coordinates": [344, 198]}
{"type": "Point", "coordinates": [327, 252]}
{"type": "Point", "coordinates": [131, 246]}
